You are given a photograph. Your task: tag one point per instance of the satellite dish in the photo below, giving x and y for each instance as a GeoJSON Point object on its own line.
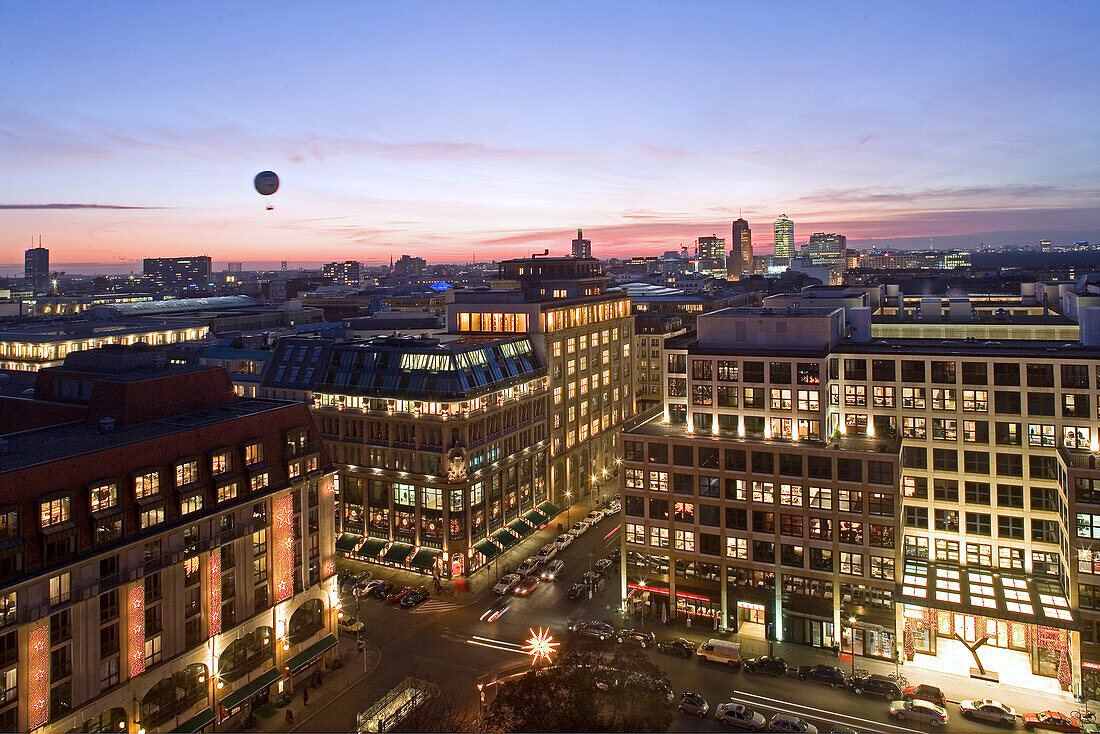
{"type": "Point", "coordinates": [267, 183]}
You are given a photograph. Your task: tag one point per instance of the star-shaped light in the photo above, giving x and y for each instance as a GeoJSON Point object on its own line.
{"type": "Point", "coordinates": [540, 645]}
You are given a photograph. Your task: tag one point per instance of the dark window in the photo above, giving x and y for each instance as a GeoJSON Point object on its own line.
{"type": "Point", "coordinates": [881, 504]}
{"type": "Point", "coordinates": [701, 369]}
{"type": "Point", "coordinates": [1044, 498]}
{"type": "Point", "coordinates": [780, 373]}
{"type": "Point", "coordinates": [855, 369]}
{"type": "Point", "coordinates": [108, 640]}
{"type": "Point", "coordinates": [976, 462]}
{"type": "Point", "coordinates": [1010, 465]}
{"type": "Point", "coordinates": [1008, 434]}
{"type": "Point", "coordinates": [677, 414]}
{"type": "Point", "coordinates": [710, 515]}
{"type": "Point", "coordinates": [763, 522]}
{"type": "Point", "coordinates": [1006, 374]}
{"type": "Point", "coordinates": [1010, 527]}
{"type": "Point", "coordinates": [658, 509]}
{"type": "Point", "coordinates": [683, 484]}
{"type": "Point", "coordinates": [763, 551]}
{"type": "Point", "coordinates": [974, 373]}
{"type": "Point", "coordinates": [821, 560]}
{"type": "Point", "coordinates": [1040, 403]}
{"type": "Point", "coordinates": [1010, 495]}
{"type": "Point", "coordinates": [820, 467]}
{"type": "Point", "coordinates": [752, 372]}
{"type": "Point", "coordinates": [914, 457]}
{"type": "Point", "coordinates": [882, 370]}
{"type": "Point", "coordinates": [1042, 467]}
{"type": "Point", "coordinates": [945, 490]}
{"type": "Point", "coordinates": [1006, 402]}
{"type": "Point", "coordinates": [1075, 406]}
{"type": "Point", "coordinates": [632, 451]}
{"type": "Point", "coordinates": [1044, 531]}
{"type": "Point", "coordinates": [1075, 376]}
{"type": "Point", "coordinates": [849, 470]}
{"type": "Point", "coordinates": [763, 462]}
{"type": "Point", "coordinates": [943, 372]}
{"type": "Point", "coordinates": [916, 517]}
{"type": "Point", "coordinates": [736, 519]}
{"type": "Point", "coordinates": [790, 465]}
{"type": "Point", "coordinates": [978, 523]}
{"type": "Point", "coordinates": [945, 459]}
{"type": "Point", "coordinates": [708, 457]}
{"type": "Point", "coordinates": [635, 506]}
{"type": "Point", "coordinates": [977, 493]}
{"type": "Point", "coordinates": [912, 371]}
{"type": "Point", "coordinates": [658, 453]}
{"type": "Point", "coordinates": [709, 487]}
{"type": "Point", "coordinates": [709, 544]}
{"type": "Point", "coordinates": [677, 363]}
{"type": "Point", "coordinates": [683, 455]}
{"type": "Point", "coordinates": [834, 369]}
{"type": "Point", "coordinates": [947, 520]}
{"type": "Point", "coordinates": [880, 472]}
{"type": "Point", "coordinates": [735, 460]}
{"type": "Point", "coordinates": [1040, 375]}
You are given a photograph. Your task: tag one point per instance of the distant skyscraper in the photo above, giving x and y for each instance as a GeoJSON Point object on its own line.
{"type": "Point", "coordinates": [740, 260]}
{"type": "Point", "coordinates": [178, 272]}
{"type": "Point", "coordinates": [235, 267]}
{"type": "Point", "coordinates": [581, 246]}
{"type": "Point", "coordinates": [711, 252]}
{"type": "Point", "coordinates": [784, 237]}
{"type": "Point", "coordinates": [283, 265]}
{"type": "Point", "coordinates": [36, 268]}
{"type": "Point", "coordinates": [345, 273]}
{"type": "Point", "coordinates": [827, 249]}
{"type": "Point", "coordinates": [407, 266]}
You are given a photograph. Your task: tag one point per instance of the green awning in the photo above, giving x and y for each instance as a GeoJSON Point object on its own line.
{"type": "Point", "coordinates": [548, 509]}
{"type": "Point", "coordinates": [535, 517]}
{"type": "Point", "coordinates": [346, 543]}
{"type": "Point", "coordinates": [371, 548]}
{"type": "Point", "coordinates": [488, 548]}
{"type": "Point", "coordinates": [397, 553]}
{"type": "Point", "coordinates": [505, 538]}
{"type": "Point", "coordinates": [307, 656]}
{"type": "Point", "coordinates": [239, 696]}
{"type": "Point", "coordinates": [198, 722]}
{"type": "Point", "coordinates": [521, 527]}
{"type": "Point", "coordinates": [425, 558]}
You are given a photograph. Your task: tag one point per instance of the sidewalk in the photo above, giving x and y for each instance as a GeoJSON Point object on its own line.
{"type": "Point", "coordinates": [335, 683]}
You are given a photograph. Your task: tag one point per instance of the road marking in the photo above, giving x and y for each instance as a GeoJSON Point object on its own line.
{"type": "Point", "coordinates": [830, 716]}
{"type": "Point", "coordinates": [438, 605]}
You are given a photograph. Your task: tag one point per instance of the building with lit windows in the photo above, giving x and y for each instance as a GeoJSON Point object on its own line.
{"type": "Point", "coordinates": [827, 249]}
{"type": "Point", "coordinates": [740, 257]}
{"type": "Point", "coordinates": [784, 236]}
{"type": "Point", "coordinates": [442, 448]}
{"type": "Point", "coordinates": [345, 273]}
{"type": "Point", "coordinates": [30, 346]}
{"type": "Point", "coordinates": [167, 548]}
{"type": "Point", "coordinates": [175, 273]}
{"type": "Point", "coordinates": [582, 333]}
{"type": "Point", "coordinates": [650, 332]}
{"type": "Point", "coordinates": [711, 256]}
{"type": "Point", "coordinates": [36, 269]}
{"type": "Point", "coordinates": [812, 484]}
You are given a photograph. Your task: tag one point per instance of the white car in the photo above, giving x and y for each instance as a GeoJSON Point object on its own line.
{"type": "Point", "coordinates": [507, 584]}
{"type": "Point", "coordinates": [563, 541]}
{"type": "Point", "coordinates": [551, 570]}
{"type": "Point", "coordinates": [578, 528]}
{"type": "Point", "coordinates": [528, 567]}
{"type": "Point", "coordinates": [741, 716]}
{"type": "Point", "coordinates": [791, 723]}
{"type": "Point", "coordinates": [593, 517]}
{"type": "Point", "coordinates": [547, 552]}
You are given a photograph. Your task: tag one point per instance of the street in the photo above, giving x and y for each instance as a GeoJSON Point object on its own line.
{"type": "Point", "coordinates": [444, 641]}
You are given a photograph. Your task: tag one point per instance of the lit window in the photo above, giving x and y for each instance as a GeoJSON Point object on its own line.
{"type": "Point", "coordinates": [55, 512]}
{"type": "Point", "coordinates": [227, 491]}
{"type": "Point", "coordinates": [220, 463]}
{"type": "Point", "coordinates": [103, 496]}
{"type": "Point", "coordinates": [253, 453]}
{"type": "Point", "coordinates": [258, 481]}
{"type": "Point", "coordinates": [187, 472]}
{"type": "Point", "coordinates": [146, 485]}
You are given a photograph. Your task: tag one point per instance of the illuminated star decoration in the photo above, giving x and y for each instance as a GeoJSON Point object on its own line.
{"type": "Point", "coordinates": [540, 645]}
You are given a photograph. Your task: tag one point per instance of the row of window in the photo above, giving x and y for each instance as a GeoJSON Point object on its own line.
{"type": "Point", "coordinates": [981, 523]}
{"type": "Point", "coordinates": [758, 492]}
{"type": "Point", "coordinates": [760, 462]}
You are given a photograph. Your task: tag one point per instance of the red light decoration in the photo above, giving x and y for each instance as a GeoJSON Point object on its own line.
{"type": "Point", "coordinates": [135, 623]}
{"type": "Point", "coordinates": [214, 593]}
{"type": "Point", "coordinates": [38, 674]}
{"type": "Point", "coordinates": [283, 549]}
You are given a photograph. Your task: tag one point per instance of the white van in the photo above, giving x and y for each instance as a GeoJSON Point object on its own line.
{"type": "Point", "coordinates": [721, 651]}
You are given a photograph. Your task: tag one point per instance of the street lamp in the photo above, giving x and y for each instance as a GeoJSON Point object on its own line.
{"type": "Point", "coordinates": [568, 507]}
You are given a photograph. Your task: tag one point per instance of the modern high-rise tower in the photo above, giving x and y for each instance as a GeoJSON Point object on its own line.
{"type": "Point", "coordinates": [711, 252]}
{"type": "Point", "coordinates": [36, 268]}
{"type": "Point", "coordinates": [581, 246]}
{"type": "Point", "coordinates": [740, 259]}
{"type": "Point", "coordinates": [784, 237]}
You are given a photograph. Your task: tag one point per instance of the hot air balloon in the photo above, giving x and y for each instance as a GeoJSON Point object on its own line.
{"type": "Point", "coordinates": [266, 183]}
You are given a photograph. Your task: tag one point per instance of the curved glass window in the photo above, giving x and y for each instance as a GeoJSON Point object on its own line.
{"type": "Point", "coordinates": [173, 695]}
{"type": "Point", "coordinates": [307, 620]}
{"type": "Point", "coordinates": [246, 654]}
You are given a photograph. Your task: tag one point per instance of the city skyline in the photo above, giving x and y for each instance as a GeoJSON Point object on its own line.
{"type": "Point", "coordinates": [908, 129]}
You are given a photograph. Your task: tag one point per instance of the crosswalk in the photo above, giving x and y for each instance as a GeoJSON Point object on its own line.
{"type": "Point", "coordinates": [433, 606]}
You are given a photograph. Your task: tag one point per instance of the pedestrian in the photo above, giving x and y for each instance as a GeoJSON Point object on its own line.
{"type": "Point", "coordinates": [289, 716]}
{"type": "Point", "coordinates": [305, 696]}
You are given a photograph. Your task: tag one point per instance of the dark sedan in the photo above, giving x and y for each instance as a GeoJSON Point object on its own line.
{"type": "Point", "coordinates": [603, 566]}
{"type": "Point", "coordinates": [576, 591]}
{"type": "Point", "coordinates": [637, 637]}
{"type": "Point", "coordinates": [599, 630]}
{"type": "Point", "coordinates": [767, 665]}
{"type": "Point", "coordinates": [679, 646]}
{"type": "Point", "coordinates": [382, 590]}
{"type": "Point", "coordinates": [415, 597]}
{"type": "Point", "coordinates": [827, 675]}
{"type": "Point", "coordinates": [397, 596]}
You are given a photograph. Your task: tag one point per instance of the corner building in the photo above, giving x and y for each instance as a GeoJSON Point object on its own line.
{"type": "Point", "coordinates": [582, 332]}
{"type": "Point", "coordinates": [811, 485]}
{"type": "Point", "coordinates": [167, 549]}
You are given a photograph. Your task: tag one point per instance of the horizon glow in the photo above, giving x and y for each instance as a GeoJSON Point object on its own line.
{"type": "Point", "coordinates": [448, 130]}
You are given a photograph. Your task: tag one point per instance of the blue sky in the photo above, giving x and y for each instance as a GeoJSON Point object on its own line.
{"type": "Point", "coordinates": [442, 129]}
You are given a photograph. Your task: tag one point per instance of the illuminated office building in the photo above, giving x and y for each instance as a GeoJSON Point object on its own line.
{"type": "Point", "coordinates": [784, 236]}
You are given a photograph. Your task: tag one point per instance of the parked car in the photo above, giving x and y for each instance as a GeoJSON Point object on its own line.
{"type": "Point", "coordinates": [397, 596]}
{"type": "Point", "coordinates": [382, 590]}
{"type": "Point", "coordinates": [507, 584]}
{"type": "Point", "coordinates": [679, 646]}
{"type": "Point", "coordinates": [874, 684]}
{"type": "Point", "coordinates": [576, 591]}
{"type": "Point", "coordinates": [741, 716]}
{"type": "Point", "coordinates": [694, 704]}
{"type": "Point", "coordinates": [415, 597]}
{"type": "Point", "coordinates": [828, 675]}
{"type": "Point", "coordinates": [547, 552]}
{"type": "Point", "coordinates": [593, 517]}
{"type": "Point", "coordinates": [578, 528]}
{"type": "Point", "coordinates": [563, 541]}
{"type": "Point", "coordinates": [721, 651]}
{"type": "Point", "coordinates": [637, 637]}
{"type": "Point", "coordinates": [986, 709]}
{"type": "Point", "coordinates": [498, 607]}
{"type": "Point", "coordinates": [921, 712]}
{"type": "Point", "coordinates": [527, 584]}
{"type": "Point", "coordinates": [923, 692]}
{"type": "Point", "coordinates": [1051, 721]}
{"type": "Point", "coordinates": [369, 589]}
{"type": "Point", "coordinates": [350, 625]}
{"type": "Point", "coordinates": [790, 723]}
{"type": "Point", "coordinates": [615, 554]}
{"type": "Point", "coordinates": [529, 566]}
{"type": "Point", "coordinates": [604, 566]}
{"type": "Point", "coordinates": [593, 628]}
{"type": "Point", "coordinates": [593, 580]}
{"type": "Point", "coordinates": [551, 570]}
{"type": "Point", "coordinates": [838, 729]}
{"type": "Point", "coordinates": [767, 665]}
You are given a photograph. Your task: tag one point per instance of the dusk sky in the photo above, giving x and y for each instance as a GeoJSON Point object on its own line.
{"type": "Point", "coordinates": [448, 129]}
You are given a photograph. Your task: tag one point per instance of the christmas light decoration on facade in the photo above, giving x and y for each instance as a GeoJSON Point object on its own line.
{"type": "Point", "coordinates": [283, 548]}
{"type": "Point", "coordinates": [214, 592]}
{"type": "Point", "coordinates": [135, 623]}
{"type": "Point", "coordinates": [38, 674]}
{"type": "Point", "coordinates": [540, 645]}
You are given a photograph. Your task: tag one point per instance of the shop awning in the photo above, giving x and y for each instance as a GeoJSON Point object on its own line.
{"type": "Point", "coordinates": [311, 653]}
{"type": "Point", "coordinates": [488, 548]}
{"type": "Point", "coordinates": [239, 696]}
{"type": "Point", "coordinates": [346, 542]}
{"type": "Point", "coordinates": [535, 517]}
{"type": "Point", "coordinates": [370, 548]}
{"type": "Point", "coordinates": [198, 722]}
{"type": "Point", "coordinates": [987, 594]}
{"type": "Point", "coordinates": [505, 538]}
{"type": "Point", "coordinates": [397, 553]}
{"type": "Point", "coordinates": [549, 510]}
{"type": "Point", "coordinates": [425, 558]}
{"type": "Point", "coordinates": [521, 527]}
